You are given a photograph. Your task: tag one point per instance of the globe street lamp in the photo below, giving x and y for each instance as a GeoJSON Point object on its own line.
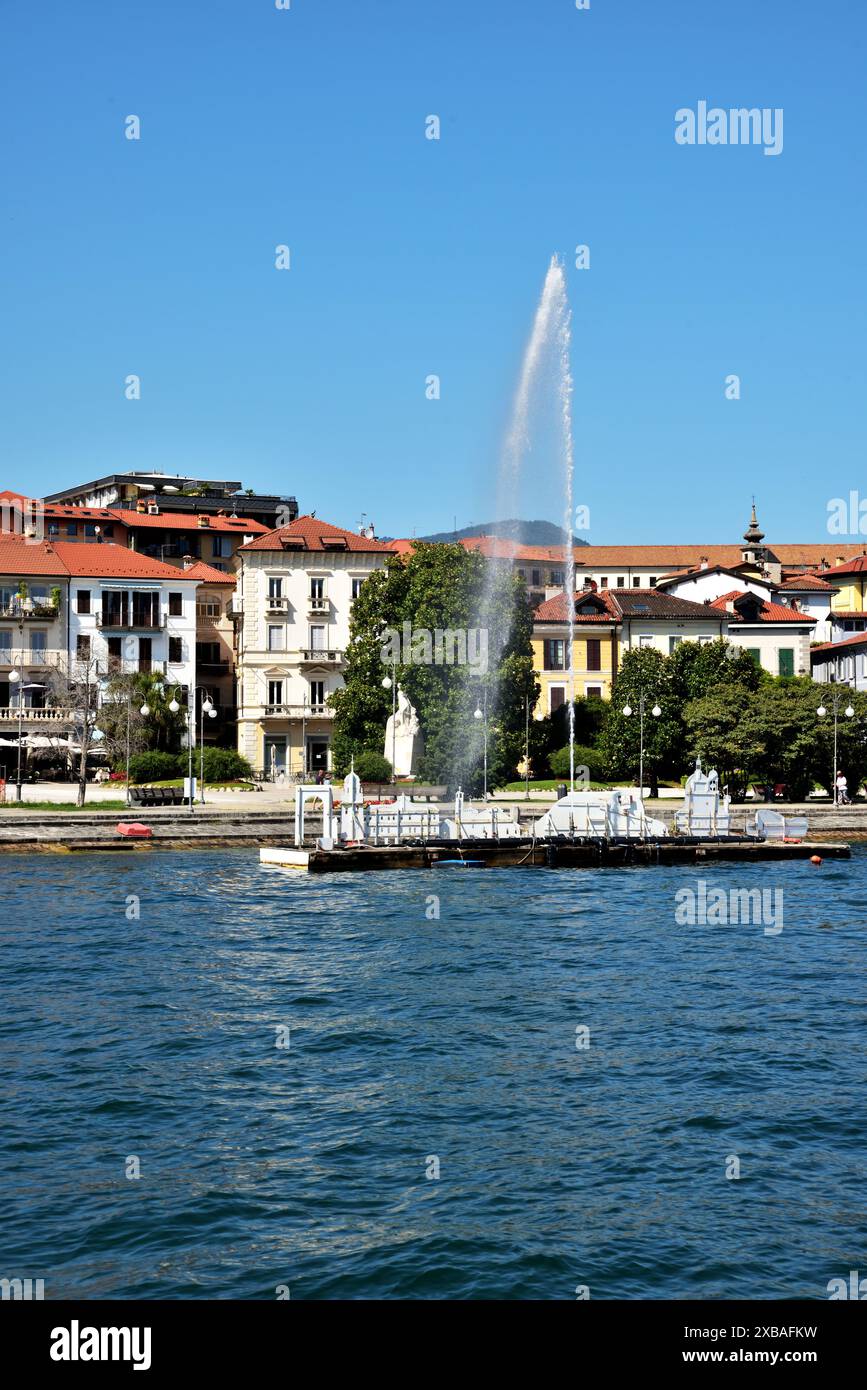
{"type": "Point", "coordinates": [836, 701]}
{"type": "Point", "coordinates": [145, 711]}
{"type": "Point", "coordinates": [628, 711]}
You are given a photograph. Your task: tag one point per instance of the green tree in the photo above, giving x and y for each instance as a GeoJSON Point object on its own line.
{"type": "Point", "coordinates": [449, 588]}
{"type": "Point", "coordinates": [642, 669]}
{"type": "Point", "coordinates": [160, 731]}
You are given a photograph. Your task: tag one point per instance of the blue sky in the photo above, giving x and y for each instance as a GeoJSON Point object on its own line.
{"type": "Point", "coordinates": [412, 257]}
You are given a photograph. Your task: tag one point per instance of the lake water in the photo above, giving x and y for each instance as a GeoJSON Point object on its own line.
{"type": "Point", "coordinates": [416, 1042]}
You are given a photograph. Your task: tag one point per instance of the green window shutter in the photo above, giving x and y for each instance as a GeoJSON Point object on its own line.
{"type": "Point", "coordinates": [755, 653]}
{"type": "Point", "coordinates": [787, 661]}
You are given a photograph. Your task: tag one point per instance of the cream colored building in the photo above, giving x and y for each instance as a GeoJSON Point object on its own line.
{"type": "Point", "coordinates": [292, 604]}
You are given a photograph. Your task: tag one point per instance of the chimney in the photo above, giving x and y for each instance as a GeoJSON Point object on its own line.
{"type": "Point", "coordinates": [141, 505]}
{"type": "Point", "coordinates": [203, 520]}
{"type": "Point", "coordinates": [188, 562]}
{"type": "Point", "coordinates": [703, 562]}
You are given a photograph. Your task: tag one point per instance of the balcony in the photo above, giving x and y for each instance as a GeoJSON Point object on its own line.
{"type": "Point", "coordinates": [213, 668]}
{"type": "Point", "coordinates": [30, 714]}
{"type": "Point", "coordinates": [235, 607]}
{"type": "Point", "coordinates": [116, 624]}
{"type": "Point", "coordinates": [326, 656]}
{"type": "Point", "coordinates": [28, 611]}
{"type": "Point", "coordinates": [276, 603]}
{"type": "Point", "coordinates": [317, 604]}
{"type": "Point", "coordinates": [297, 712]}
{"type": "Point", "coordinates": [42, 657]}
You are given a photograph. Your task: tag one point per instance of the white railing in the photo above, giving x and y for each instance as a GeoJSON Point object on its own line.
{"type": "Point", "coordinates": [276, 603]}
{"type": "Point", "coordinates": [31, 656]}
{"type": "Point", "coordinates": [9, 715]}
{"type": "Point", "coordinates": [282, 711]}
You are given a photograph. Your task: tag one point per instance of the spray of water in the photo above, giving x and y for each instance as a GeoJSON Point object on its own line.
{"type": "Point", "coordinates": [545, 364]}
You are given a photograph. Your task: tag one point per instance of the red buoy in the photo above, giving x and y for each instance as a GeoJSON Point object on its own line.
{"type": "Point", "coordinates": [815, 859]}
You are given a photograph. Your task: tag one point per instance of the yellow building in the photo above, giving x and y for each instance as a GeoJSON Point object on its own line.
{"type": "Point", "coordinates": [594, 650]}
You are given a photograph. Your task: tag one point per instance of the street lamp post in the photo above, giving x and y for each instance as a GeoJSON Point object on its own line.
{"type": "Point", "coordinates": [482, 713]}
{"type": "Point", "coordinates": [656, 712]}
{"type": "Point", "coordinates": [390, 683]}
{"type": "Point", "coordinates": [836, 701]}
{"type": "Point", "coordinates": [145, 710]}
{"type": "Point", "coordinates": [207, 708]}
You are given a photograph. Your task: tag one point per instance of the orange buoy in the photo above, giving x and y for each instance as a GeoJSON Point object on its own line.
{"type": "Point", "coordinates": [815, 859]}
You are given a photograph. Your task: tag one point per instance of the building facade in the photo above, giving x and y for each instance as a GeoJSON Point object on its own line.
{"type": "Point", "coordinates": [295, 590]}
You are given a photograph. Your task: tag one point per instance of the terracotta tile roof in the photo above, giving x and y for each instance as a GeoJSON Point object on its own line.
{"type": "Point", "coordinates": [556, 609]}
{"type": "Point", "coordinates": [187, 521]}
{"type": "Point", "coordinates": [108, 561]}
{"type": "Point", "coordinates": [500, 548]}
{"type": "Point", "coordinates": [19, 558]}
{"type": "Point", "coordinates": [645, 604]}
{"type": "Point", "coordinates": [805, 582]}
{"type": "Point", "coordinates": [309, 533]}
{"type": "Point", "coordinates": [848, 613]}
{"type": "Point", "coordinates": [856, 564]}
{"type": "Point", "coordinates": [736, 571]}
{"type": "Point", "coordinates": [206, 574]}
{"type": "Point", "coordinates": [402, 546]}
{"type": "Point", "coordinates": [858, 639]}
{"type": "Point", "coordinates": [768, 612]}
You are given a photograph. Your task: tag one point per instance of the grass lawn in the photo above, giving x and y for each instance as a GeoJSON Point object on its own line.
{"type": "Point", "coordinates": [242, 785]}
{"type": "Point", "coordinates": [62, 806]}
{"type": "Point", "coordinates": [553, 784]}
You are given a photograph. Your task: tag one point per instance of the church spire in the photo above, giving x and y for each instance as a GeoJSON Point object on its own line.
{"type": "Point", "coordinates": [753, 536]}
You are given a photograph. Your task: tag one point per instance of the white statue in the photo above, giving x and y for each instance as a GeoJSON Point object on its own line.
{"type": "Point", "coordinates": [403, 738]}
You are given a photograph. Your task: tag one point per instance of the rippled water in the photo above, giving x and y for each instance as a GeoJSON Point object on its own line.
{"type": "Point", "coordinates": [411, 1038]}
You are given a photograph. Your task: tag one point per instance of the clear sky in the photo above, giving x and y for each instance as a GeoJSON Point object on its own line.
{"type": "Point", "coordinates": [412, 256]}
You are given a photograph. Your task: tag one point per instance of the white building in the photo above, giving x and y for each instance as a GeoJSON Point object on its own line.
{"type": "Point", "coordinates": [294, 596]}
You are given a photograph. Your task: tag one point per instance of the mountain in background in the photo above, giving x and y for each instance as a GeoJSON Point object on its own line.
{"type": "Point", "coordinates": [525, 532]}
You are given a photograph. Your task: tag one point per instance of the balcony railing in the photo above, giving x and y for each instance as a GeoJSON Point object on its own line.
{"type": "Point", "coordinates": [321, 656]}
{"type": "Point", "coordinates": [11, 657]}
{"type": "Point", "coordinates": [317, 604]}
{"type": "Point", "coordinates": [213, 668]}
{"type": "Point", "coordinates": [277, 603]}
{"type": "Point", "coordinates": [297, 712]}
{"type": "Point", "coordinates": [9, 715]}
{"type": "Point", "coordinates": [28, 610]}
{"type": "Point", "coordinates": [146, 625]}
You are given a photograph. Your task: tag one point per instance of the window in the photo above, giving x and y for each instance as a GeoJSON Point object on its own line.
{"type": "Point", "coordinates": [557, 578]}
{"type": "Point", "coordinates": [554, 654]}
{"type": "Point", "coordinates": [556, 697]}
{"type": "Point", "coordinates": [176, 605]}
{"type": "Point", "coordinates": [38, 641]}
{"type": "Point", "coordinates": [108, 532]}
{"type": "Point", "coordinates": [593, 692]}
{"type": "Point", "coordinates": [603, 581]}
{"type": "Point", "coordinates": [275, 588]}
{"type": "Point", "coordinates": [522, 574]}
{"type": "Point", "coordinates": [535, 579]}
{"type": "Point", "coordinates": [651, 583]}
{"type": "Point", "coordinates": [90, 530]}
{"type": "Point", "coordinates": [72, 528]}
{"type": "Point", "coordinates": [221, 547]}
{"type": "Point", "coordinates": [275, 693]}
{"type": "Point", "coordinates": [115, 654]}
{"type": "Point", "coordinates": [317, 692]}
{"type": "Point", "coordinates": [176, 650]}
{"type": "Point", "coordinates": [54, 528]}
{"type": "Point", "coordinates": [673, 644]}
{"type": "Point", "coordinates": [82, 648]}
{"type": "Point", "coordinates": [209, 607]}
{"type": "Point", "coordinates": [621, 582]}
{"type": "Point", "coordinates": [787, 661]}
{"type": "Point", "coordinates": [594, 654]}
{"type": "Point", "coordinates": [82, 603]}
{"type": "Point", "coordinates": [356, 587]}
{"type": "Point", "coordinates": [645, 640]}
{"type": "Point", "coordinates": [275, 639]}
{"type": "Point", "coordinates": [317, 588]}
{"type": "Point", "coordinates": [6, 647]}
{"type": "Point", "coordinates": [145, 652]}
{"type": "Point", "coordinates": [703, 641]}
{"type": "Point", "coordinates": [317, 639]}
